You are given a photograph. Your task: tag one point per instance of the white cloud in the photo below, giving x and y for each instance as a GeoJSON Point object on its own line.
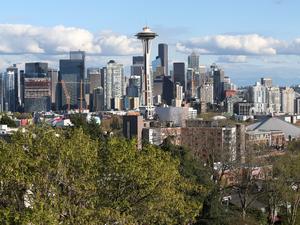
{"type": "Point", "coordinates": [21, 39]}
{"type": "Point", "coordinates": [232, 59]}
{"type": "Point", "coordinates": [249, 44]}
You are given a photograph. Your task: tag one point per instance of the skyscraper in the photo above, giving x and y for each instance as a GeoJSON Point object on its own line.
{"type": "Point", "coordinates": [72, 74]}
{"type": "Point", "coordinates": [163, 55]}
{"type": "Point", "coordinates": [94, 78]}
{"type": "Point", "coordinates": [13, 69]}
{"type": "Point", "coordinates": [178, 95]}
{"type": "Point", "coordinates": [179, 74]}
{"type": "Point", "coordinates": [9, 91]}
{"type": "Point", "coordinates": [98, 99]}
{"type": "Point", "coordinates": [193, 61]}
{"type": "Point", "coordinates": [113, 82]}
{"type": "Point", "coordinates": [274, 99]}
{"type": "Point", "coordinates": [168, 90]}
{"type": "Point", "coordinates": [137, 65]}
{"type": "Point", "coordinates": [2, 92]}
{"type": "Point", "coordinates": [133, 89]}
{"type": "Point", "coordinates": [258, 96]}
{"type": "Point", "coordinates": [218, 77]}
{"type": "Point", "coordinates": [37, 87]}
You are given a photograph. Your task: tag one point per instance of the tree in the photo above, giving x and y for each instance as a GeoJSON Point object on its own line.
{"type": "Point", "coordinates": [287, 178]}
{"type": "Point", "coordinates": [56, 176]}
{"type": "Point", "coordinates": [91, 128]}
{"type": "Point", "coordinates": [48, 177]}
{"type": "Point", "coordinates": [145, 185]}
{"type": "Point", "coordinates": [5, 119]}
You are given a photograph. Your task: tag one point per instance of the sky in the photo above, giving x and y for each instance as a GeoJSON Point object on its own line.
{"type": "Point", "coordinates": [249, 39]}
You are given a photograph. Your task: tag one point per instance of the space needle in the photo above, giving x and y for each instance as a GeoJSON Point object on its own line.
{"type": "Point", "coordinates": [146, 99]}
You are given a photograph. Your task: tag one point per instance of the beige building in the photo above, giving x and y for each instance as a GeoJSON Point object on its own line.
{"type": "Point", "coordinates": [287, 100]}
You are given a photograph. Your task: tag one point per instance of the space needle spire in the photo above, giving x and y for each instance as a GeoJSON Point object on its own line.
{"type": "Point", "coordinates": [146, 36]}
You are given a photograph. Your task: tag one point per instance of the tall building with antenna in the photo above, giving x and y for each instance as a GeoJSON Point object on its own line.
{"type": "Point", "coordinates": [147, 101]}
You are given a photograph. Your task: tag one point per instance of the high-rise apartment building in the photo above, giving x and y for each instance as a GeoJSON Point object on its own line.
{"type": "Point", "coordinates": [258, 96]}
{"type": "Point", "coordinates": [113, 82]}
{"type": "Point", "coordinates": [274, 99]}
{"type": "Point", "coordinates": [287, 100]}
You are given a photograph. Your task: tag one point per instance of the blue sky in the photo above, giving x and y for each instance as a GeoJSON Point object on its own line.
{"type": "Point", "coordinates": [249, 38]}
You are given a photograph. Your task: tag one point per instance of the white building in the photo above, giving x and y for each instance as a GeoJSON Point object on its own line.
{"type": "Point", "coordinates": [113, 82]}
{"type": "Point", "coordinates": [258, 96]}
{"type": "Point", "coordinates": [178, 95]}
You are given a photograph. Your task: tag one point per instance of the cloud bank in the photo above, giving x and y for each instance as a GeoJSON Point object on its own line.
{"type": "Point", "coordinates": [28, 39]}
{"type": "Point", "coordinates": [249, 44]}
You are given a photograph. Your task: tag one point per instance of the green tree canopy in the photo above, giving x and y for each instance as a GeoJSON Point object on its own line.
{"type": "Point", "coordinates": [54, 176]}
{"type": "Point", "coordinates": [5, 119]}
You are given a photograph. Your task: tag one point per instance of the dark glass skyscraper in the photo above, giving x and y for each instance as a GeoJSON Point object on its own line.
{"type": "Point", "coordinates": [72, 74]}
{"type": "Point", "coordinates": [168, 90]}
{"type": "Point", "coordinates": [218, 77]}
{"type": "Point", "coordinates": [17, 90]}
{"type": "Point", "coordinates": [36, 69]}
{"type": "Point", "coordinates": [163, 55]}
{"type": "Point", "coordinates": [179, 74]}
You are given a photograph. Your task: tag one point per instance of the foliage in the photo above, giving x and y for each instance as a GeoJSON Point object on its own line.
{"type": "Point", "coordinates": [5, 119]}
{"type": "Point", "coordinates": [22, 115]}
{"type": "Point", "coordinates": [55, 176]}
{"type": "Point", "coordinates": [287, 186]}
{"type": "Point", "coordinates": [146, 182]}
{"type": "Point", "coordinates": [90, 128]}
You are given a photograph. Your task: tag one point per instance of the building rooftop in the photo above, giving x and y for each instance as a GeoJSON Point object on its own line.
{"type": "Point", "coordinates": [275, 123]}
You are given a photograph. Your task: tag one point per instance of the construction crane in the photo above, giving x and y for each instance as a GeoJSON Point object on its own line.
{"type": "Point", "coordinates": [67, 94]}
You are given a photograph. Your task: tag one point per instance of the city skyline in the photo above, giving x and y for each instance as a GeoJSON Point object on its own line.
{"type": "Point", "coordinates": [249, 40]}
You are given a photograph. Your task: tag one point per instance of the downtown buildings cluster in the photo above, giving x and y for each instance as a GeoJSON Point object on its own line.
{"type": "Point", "coordinates": [75, 87]}
{"type": "Point", "coordinates": [157, 102]}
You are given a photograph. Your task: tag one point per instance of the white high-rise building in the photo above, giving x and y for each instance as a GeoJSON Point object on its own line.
{"type": "Point", "coordinates": [287, 100]}
{"type": "Point", "coordinates": [178, 95]}
{"type": "Point", "coordinates": [258, 96]}
{"type": "Point", "coordinates": [113, 82]}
